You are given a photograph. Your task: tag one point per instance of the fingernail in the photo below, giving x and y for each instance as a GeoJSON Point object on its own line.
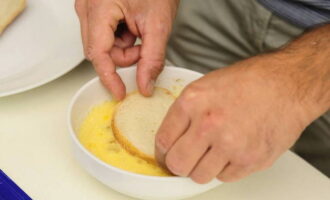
{"type": "Point", "coordinates": [150, 86]}
{"type": "Point", "coordinates": [160, 145]}
{"type": "Point", "coordinates": [117, 98]}
{"type": "Point", "coordinates": [161, 148]}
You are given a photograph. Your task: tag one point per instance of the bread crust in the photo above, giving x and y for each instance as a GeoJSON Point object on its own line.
{"type": "Point", "coordinates": [13, 16]}
{"type": "Point", "coordinates": [124, 142]}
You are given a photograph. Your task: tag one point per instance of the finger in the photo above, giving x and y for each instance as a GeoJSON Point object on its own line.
{"type": "Point", "coordinates": [187, 151]}
{"type": "Point", "coordinates": [170, 130]}
{"type": "Point", "coordinates": [125, 40]}
{"type": "Point", "coordinates": [209, 166]}
{"type": "Point", "coordinates": [125, 57]}
{"type": "Point", "coordinates": [102, 23]}
{"type": "Point", "coordinates": [82, 12]}
{"type": "Point", "coordinates": [106, 70]}
{"type": "Point", "coordinates": [152, 57]}
{"type": "Point", "coordinates": [234, 172]}
{"type": "Point", "coordinates": [124, 53]}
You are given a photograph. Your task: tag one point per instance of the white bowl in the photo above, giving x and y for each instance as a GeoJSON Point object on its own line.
{"type": "Point", "coordinates": [135, 185]}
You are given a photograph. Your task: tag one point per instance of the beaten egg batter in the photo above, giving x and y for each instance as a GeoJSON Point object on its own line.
{"type": "Point", "coordinates": [96, 135]}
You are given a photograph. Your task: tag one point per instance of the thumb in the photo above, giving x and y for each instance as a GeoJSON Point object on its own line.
{"type": "Point", "coordinates": [152, 56]}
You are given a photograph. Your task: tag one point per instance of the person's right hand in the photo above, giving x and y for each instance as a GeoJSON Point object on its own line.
{"type": "Point", "coordinates": [109, 29]}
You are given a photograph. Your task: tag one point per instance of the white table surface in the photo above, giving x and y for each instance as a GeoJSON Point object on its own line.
{"type": "Point", "coordinates": [35, 151]}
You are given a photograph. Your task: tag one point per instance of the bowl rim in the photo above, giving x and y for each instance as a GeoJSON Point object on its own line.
{"type": "Point", "coordinates": [99, 161]}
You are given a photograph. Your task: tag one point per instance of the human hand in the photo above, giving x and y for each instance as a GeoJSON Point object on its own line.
{"type": "Point", "coordinates": [109, 30]}
{"type": "Point", "coordinates": [231, 122]}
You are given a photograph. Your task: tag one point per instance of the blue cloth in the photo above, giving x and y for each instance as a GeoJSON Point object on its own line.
{"type": "Point", "coordinates": [9, 190]}
{"type": "Point", "coordinates": [303, 13]}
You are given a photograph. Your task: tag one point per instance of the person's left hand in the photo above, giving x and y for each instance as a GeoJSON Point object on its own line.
{"type": "Point", "coordinates": [232, 122]}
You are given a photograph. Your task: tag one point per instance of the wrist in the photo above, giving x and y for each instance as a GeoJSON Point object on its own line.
{"type": "Point", "coordinates": [275, 70]}
{"type": "Point", "coordinates": [303, 73]}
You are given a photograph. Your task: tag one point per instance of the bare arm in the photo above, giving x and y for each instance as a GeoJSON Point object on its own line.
{"type": "Point", "coordinates": [240, 119]}
{"type": "Point", "coordinates": [306, 64]}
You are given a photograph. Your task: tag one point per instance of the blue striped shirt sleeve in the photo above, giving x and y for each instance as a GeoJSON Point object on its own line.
{"type": "Point", "coordinates": [303, 13]}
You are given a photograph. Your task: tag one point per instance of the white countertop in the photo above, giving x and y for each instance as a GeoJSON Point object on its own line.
{"type": "Point", "coordinates": [35, 152]}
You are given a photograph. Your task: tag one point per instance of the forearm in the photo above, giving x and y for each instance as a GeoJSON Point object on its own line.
{"type": "Point", "coordinates": [304, 67]}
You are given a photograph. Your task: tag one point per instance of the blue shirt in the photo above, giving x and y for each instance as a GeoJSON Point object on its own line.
{"type": "Point", "coordinates": [303, 13]}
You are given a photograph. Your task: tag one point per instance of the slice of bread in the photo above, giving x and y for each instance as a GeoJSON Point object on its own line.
{"type": "Point", "coordinates": [9, 10]}
{"type": "Point", "coordinates": [137, 119]}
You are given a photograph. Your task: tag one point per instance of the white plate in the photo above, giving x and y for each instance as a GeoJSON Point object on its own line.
{"type": "Point", "coordinates": [42, 44]}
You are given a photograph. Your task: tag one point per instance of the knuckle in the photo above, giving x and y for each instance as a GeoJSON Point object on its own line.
{"type": "Point", "coordinates": [175, 165]}
{"type": "Point", "coordinates": [194, 87]}
{"type": "Point", "coordinates": [248, 159]}
{"type": "Point", "coordinates": [245, 162]}
{"type": "Point", "coordinates": [212, 119]}
{"type": "Point", "coordinates": [86, 54]}
{"type": "Point", "coordinates": [91, 53]}
{"type": "Point", "coordinates": [152, 66]}
{"type": "Point", "coordinates": [183, 104]}
{"type": "Point", "coordinates": [201, 134]}
{"type": "Point", "coordinates": [229, 140]}
{"type": "Point", "coordinates": [266, 165]}
{"type": "Point", "coordinates": [205, 129]}
{"type": "Point", "coordinates": [210, 122]}
{"type": "Point", "coordinates": [226, 178]}
{"type": "Point", "coordinates": [162, 142]}
{"type": "Point", "coordinates": [92, 3]}
{"type": "Point", "coordinates": [200, 179]}
{"type": "Point", "coordinates": [161, 27]}
{"type": "Point", "coordinates": [79, 5]}
{"type": "Point", "coordinates": [191, 93]}
{"type": "Point", "coordinates": [157, 67]}
{"type": "Point", "coordinates": [219, 178]}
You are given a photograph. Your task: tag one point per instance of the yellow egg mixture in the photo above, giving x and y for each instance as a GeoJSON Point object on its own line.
{"type": "Point", "coordinates": [96, 135]}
